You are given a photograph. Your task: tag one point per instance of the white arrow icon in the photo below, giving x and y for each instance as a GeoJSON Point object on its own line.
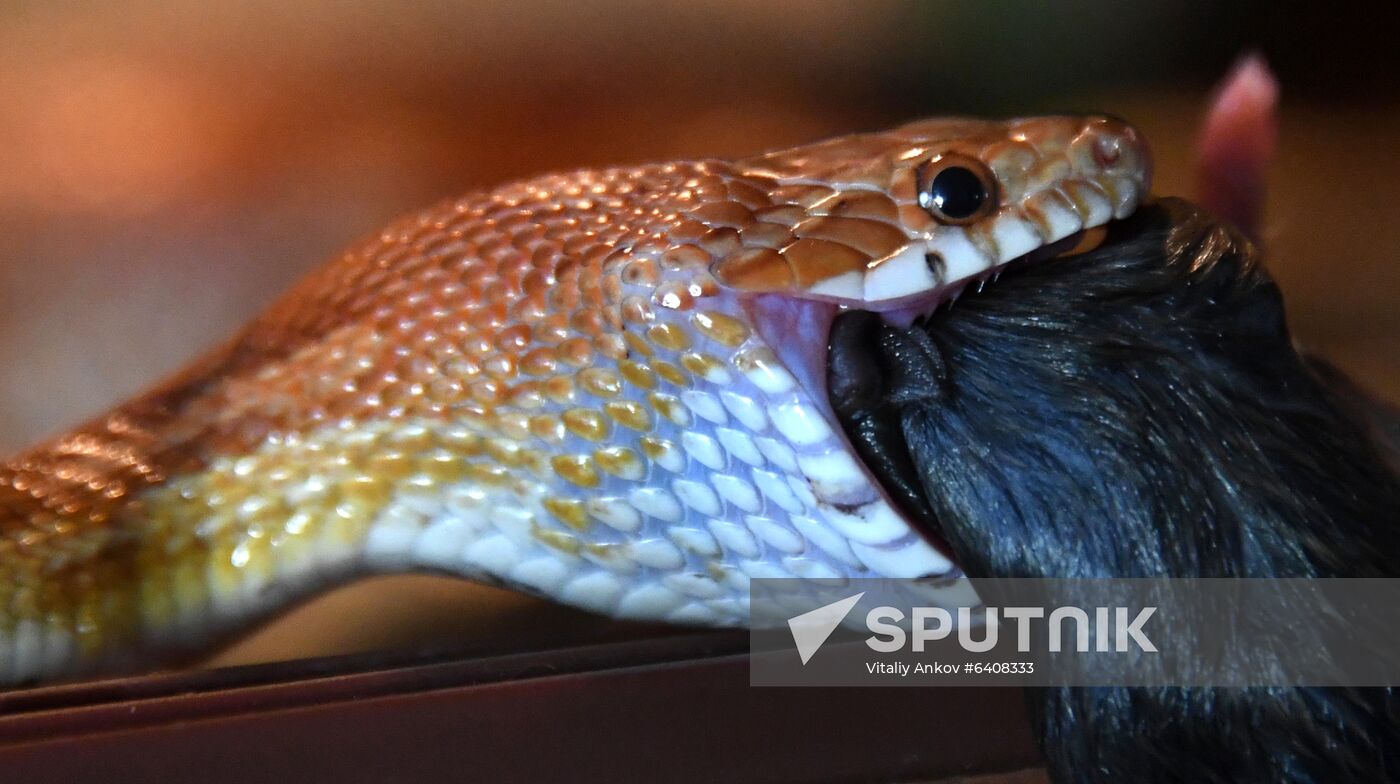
{"type": "Point", "coordinates": [810, 629]}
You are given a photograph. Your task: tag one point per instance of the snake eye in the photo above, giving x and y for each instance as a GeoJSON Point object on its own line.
{"type": "Point", "coordinates": [956, 189]}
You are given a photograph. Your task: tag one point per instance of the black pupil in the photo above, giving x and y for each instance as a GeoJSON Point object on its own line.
{"type": "Point", "coordinates": [956, 192]}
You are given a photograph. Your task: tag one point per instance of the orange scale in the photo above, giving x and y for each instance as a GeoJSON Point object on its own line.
{"type": "Point", "coordinates": [719, 214]}
{"type": "Point", "coordinates": [756, 269]}
{"type": "Point", "coordinates": [576, 351]}
{"type": "Point", "coordinates": [673, 295]}
{"type": "Point", "coordinates": [551, 328]}
{"type": "Point", "coordinates": [751, 196]}
{"type": "Point", "coordinates": [651, 246]}
{"type": "Point", "coordinates": [864, 204]}
{"type": "Point", "coordinates": [596, 293]}
{"type": "Point", "coordinates": [688, 231]}
{"type": "Point", "coordinates": [875, 239]}
{"type": "Point", "coordinates": [801, 195]}
{"type": "Point", "coordinates": [720, 242]}
{"type": "Point", "coordinates": [765, 235]}
{"type": "Point", "coordinates": [513, 338]}
{"type": "Point", "coordinates": [559, 389]}
{"type": "Point", "coordinates": [816, 260]}
{"type": "Point", "coordinates": [683, 257]}
{"type": "Point", "coordinates": [610, 343]}
{"type": "Point", "coordinates": [528, 395]}
{"type": "Point", "coordinates": [485, 391]}
{"type": "Point", "coordinates": [446, 390]}
{"type": "Point", "coordinates": [539, 362]}
{"type": "Point", "coordinates": [500, 366]}
{"type": "Point", "coordinates": [641, 272]}
{"type": "Point", "coordinates": [588, 322]}
{"type": "Point", "coordinates": [637, 310]}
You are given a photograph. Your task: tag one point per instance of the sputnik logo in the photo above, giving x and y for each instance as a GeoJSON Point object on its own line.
{"type": "Point", "coordinates": [810, 629]}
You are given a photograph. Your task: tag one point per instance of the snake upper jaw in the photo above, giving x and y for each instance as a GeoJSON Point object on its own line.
{"type": "Point", "coordinates": [903, 311]}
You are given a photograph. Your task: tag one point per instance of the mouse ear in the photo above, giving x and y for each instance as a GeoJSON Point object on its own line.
{"type": "Point", "coordinates": [1237, 143]}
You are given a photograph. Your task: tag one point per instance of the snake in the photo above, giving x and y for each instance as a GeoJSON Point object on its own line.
{"type": "Point", "coordinates": [604, 387]}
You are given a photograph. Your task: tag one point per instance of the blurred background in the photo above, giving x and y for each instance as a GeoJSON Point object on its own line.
{"type": "Point", "coordinates": [166, 169]}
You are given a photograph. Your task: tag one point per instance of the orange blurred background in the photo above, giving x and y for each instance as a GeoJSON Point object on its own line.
{"type": "Point", "coordinates": [166, 169]}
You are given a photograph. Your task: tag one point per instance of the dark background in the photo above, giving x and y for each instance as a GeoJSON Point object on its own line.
{"type": "Point", "coordinates": [167, 169]}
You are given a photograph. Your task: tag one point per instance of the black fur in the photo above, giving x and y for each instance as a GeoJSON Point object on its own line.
{"type": "Point", "coordinates": [1140, 410]}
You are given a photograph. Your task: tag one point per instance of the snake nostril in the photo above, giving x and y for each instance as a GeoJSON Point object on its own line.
{"type": "Point", "coordinates": [1115, 145]}
{"type": "Point", "coordinates": [1107, 151]}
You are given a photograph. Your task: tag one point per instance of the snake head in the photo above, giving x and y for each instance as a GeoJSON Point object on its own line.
{"type": "Point", "coordinates": [895, 221]}
{"type": "Point", "coordinates": [898, 223]}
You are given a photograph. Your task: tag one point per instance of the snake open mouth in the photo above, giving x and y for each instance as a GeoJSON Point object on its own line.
{"type": "Point", "coordinates": [879, 365]}
{"type": "Point", "coordinates": [851, 371]}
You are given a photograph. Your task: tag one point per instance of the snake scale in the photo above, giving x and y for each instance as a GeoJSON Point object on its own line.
{"type": "Point", "coordinates": [604, 387]}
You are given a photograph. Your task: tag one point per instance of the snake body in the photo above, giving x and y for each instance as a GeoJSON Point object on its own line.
{"type": "Point", "coordinates": [604, 387]}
